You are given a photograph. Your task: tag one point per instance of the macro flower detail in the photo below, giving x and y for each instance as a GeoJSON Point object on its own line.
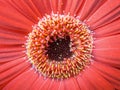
{"type": "Point", "coordinates": [59, 45]}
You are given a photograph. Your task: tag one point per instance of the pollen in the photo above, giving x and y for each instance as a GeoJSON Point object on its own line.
{"type": "Point", "coordinates": [59, 46]}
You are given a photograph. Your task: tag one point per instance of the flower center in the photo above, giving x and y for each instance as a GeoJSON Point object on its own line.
{"type": "Point", "coordinates": [59, 46]}
{"type": "Point", "coordinates": [59, 49]}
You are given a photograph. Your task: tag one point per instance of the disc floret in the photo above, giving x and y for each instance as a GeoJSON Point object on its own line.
{"type": "Point", "coordinates": [51, 29]}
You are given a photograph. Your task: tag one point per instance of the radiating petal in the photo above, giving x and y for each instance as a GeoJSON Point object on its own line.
{"type": "Point", "coordinates": [108, 12]}
{"type": "Point", "coordinates": [107, 50]}
{"type": "Point", "coordinates": [82, 84]}
{"type": "Point", "coordinates": [71, 84]}
{"type": "Point", "coordinates": [56, 85]}
{"type": "Point", "coordinates": [11, 56]}
{"type": "Point", "coordinates": [28, 77]}
{"type": "Point", "coordinates": [24, 10]}
{"type": "Point", "coordinates": [97, 80]}
{"type": "Point", "coordinates": [5, 49]}
{"type": "Point", "coordinates": [36, 85]}
{"type": "Point", "coordinates": [7, 41]}
{"type": "Point", "coordinates": [89, 7]}
{"type": "Point", "coordinates": [12, 72]}
{"type": "Point", "coordinates": [12, 20]}
{"type": "Point", "coordinates": [8, 65]}
{"type": "Point", "coordinates": [43, 6]}
{"type": "Point", "coordinates": [109, 73]}
{"type": "Point", "coordinates": [108, 30]}
{"type": "Point", "coordinates": [46, 84]}
{"type": "Point", "coordinates": [54, 5]}
{"type": "Point", "coordinates": [86, 80]}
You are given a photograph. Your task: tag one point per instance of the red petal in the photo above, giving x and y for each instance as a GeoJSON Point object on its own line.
{"type": "Point", "coordinates": [107, 50]}
{"type": "Point", "coordinates": [82, 83]}
{"type": "Point", "coordinates": [46, 84]}
{"type": "Point", "coordinates": [97, 80]}
{"type": "Point", "coordinates": [23, 8]}
{"type": "Point", "coordinates": [11, 56]}
{"type": "Point", "coordinates": [108, 12]}
{"type": "Point", "coordinates": [89, 7]}
{"type": "Point", "coordinates": [6, 41]}
{"type": "Point", "coordinates": [12, 20]}
{"type": "Point", "coordinates": [108, 30]}
{"type": "Point", "coordinates": [71, 84]}
{"type": "Point", "coordinates": [8, 65]}
{"type": "Point", "coordinates": [109, 73]}
{"type": "Point", "coordinates": [87, 80]}
{"type": "Point", "coordinates": [56, 85]}
{"type": "Point", "coordinates": [54, 5]}
{"type": "Point", "coordinates": [8, 75]}
{"type": "Point", "coordinates": [37, 84]}
{"type": "Point", "coordinates": [5, 49]}
{"type": "Point", "coordinates": [23, 81]}
{"type": "Point", "coordinates": [71, 5]}
{"type": "Point", "coordinates": [42, 6]}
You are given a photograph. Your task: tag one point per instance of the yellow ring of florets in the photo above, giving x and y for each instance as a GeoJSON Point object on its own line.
{"type": "Point", "coordinates": [56, 25]}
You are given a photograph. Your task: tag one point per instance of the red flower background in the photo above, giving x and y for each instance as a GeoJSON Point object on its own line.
{"type": "Point", "coordinates": [16, 20]}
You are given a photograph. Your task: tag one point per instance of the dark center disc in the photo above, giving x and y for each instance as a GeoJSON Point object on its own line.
{"type": "Point", "coordinates": [59, 49]}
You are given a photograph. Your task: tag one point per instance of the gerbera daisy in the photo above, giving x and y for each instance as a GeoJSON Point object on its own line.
{"type": "Point", "coordinates": [59, 45]}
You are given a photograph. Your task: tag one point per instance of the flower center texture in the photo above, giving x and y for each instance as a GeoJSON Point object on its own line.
{"type": "Point", "coordinates": [59, 46]}
{"type": "Point", "coordinates": [59, 49]}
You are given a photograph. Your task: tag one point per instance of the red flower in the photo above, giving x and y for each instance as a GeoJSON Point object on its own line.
{"type": "Point", "coordinates": [16, 21]}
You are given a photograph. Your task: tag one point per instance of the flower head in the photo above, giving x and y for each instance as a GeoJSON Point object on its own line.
{"type": "Point", "coordinates": [59, 45]}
